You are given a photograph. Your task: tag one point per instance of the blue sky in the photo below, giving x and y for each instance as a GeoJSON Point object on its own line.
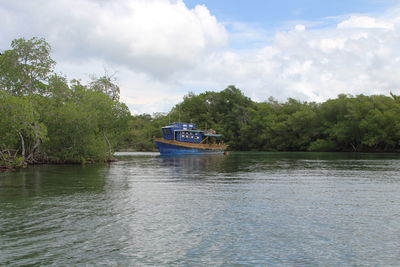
{"type": "Point", "coordinates": [160, 50]}
{"type": "Point", "coordinates": [267, 13]}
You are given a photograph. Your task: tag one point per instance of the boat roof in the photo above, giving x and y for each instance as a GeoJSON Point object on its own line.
{"type": "Point", "coordinates": [196, 131]}
{"type": "Point", "coordinates": [189, 127]}
{"type": "Point", "coordinates": [213, 135]}
{"type": "Point", "coordinates": [181, 126]}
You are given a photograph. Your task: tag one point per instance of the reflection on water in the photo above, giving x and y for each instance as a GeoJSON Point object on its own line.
{"type": "Point", "coordinates": [52, 180]}
{"type": "Point", "coordinates": [194, 163]}
{"type": "Point", "coordinates": [290, 209]}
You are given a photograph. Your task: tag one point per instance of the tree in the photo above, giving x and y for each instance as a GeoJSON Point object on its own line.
{"type": "Point", "coordinates": [105, 84]}
{"type": "Point", "coordinates": [141, 130]}
{"type": "Point", "coordinates": [45, 118]}
{"type": "Point", "coordinates": [25, 69]}
{"type": "Point", "coordinates": [20, 128]}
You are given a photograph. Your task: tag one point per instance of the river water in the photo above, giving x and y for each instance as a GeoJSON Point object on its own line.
{"type": "Point", "coordinates": [243, 209]}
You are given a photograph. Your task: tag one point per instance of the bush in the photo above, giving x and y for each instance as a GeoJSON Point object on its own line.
{"type": "Point", "coordinates": [322, 145]}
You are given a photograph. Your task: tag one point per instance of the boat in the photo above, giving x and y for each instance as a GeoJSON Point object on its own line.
{"type": "Point", "coordinates": [185, 138]}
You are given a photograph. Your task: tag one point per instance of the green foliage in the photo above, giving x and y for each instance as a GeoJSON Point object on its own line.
{"type": "Point", "coordinates": [347, 123]}
{"type": "Point", "coordinates": [25, 69]}
{"type": "Point", "coordinates": [9, 161]}
{"type": "Point", "coordinates": [322, 145]}
{"type": "Point", "coordinates": [20, 126]}
{"type": "Point", "coordinates": [17, 116]}
{"type": "Point", "coordinates": [45, 118]}
{"type": "Point", "coordinates": [362, 123]}
{"type": "Point", "coordinates": [105, 84]}
{"type": "Point", "coordinates": [227, 111]}
{"type": "Point", "coordinates": [86, 128]}
{"type": "Point", "coordinates": [141, 130]}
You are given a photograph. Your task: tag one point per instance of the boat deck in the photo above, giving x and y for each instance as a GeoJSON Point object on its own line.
{"type": "Point", "coordinates": [193, 145]}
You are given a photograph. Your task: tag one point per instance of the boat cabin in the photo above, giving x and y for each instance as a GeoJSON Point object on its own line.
{"type": "Point", "coordinates": [187, 132]}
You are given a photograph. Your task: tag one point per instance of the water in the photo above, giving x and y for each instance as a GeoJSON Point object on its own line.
{"type": "Point", "coordinates": [244, 209]}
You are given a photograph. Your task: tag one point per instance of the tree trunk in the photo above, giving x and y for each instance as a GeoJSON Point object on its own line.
{"type": "Point", "coordinates": [22, 144]}
{"type": "Point", "coordinates": [31, 157]}
{"type": "Point", "coordinates": [355, 148]}
{"type": "Point", "coordinates": [109, 145]}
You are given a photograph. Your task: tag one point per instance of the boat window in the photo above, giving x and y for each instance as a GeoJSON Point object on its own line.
{"type": "Point", "coordinates": [167, 131]}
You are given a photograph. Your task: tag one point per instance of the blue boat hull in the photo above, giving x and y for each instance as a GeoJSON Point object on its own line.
{"type": "Point", "coordinates": [172, 149]}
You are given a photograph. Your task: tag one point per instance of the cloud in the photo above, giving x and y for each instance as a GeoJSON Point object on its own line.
{"type": "Point", "coordinates": [365, 22]}
{"type": "Point", "coordinates": [161, 50]}
{"type": "Point", "coordinates": [145, 41]}
{"type": "Point", "coordinates": [300, 27]}
{"type": "Point", "coordinates": [158, 37]}
{"type": "Point", "coordinates": [358, 55]}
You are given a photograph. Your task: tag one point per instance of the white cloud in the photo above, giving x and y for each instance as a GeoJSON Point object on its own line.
{"type": "Point", "coordinates": [161, 50]}
{"type": "Point", "coordinates": [146, 40]}
{"type": "Point", "coordinates": [366, 22]}
{"type": "Point", "coordinates": [158, 37]}
{"type": "Point", "coordinates": [314, 65]}
{"type": "Point", "coordinates": [300, 27]}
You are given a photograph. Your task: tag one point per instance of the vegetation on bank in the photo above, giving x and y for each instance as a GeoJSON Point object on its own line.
{"type": "Point", "coordinates": [46, 118]}
{"type": "Point", "coordinates": [348, 123]}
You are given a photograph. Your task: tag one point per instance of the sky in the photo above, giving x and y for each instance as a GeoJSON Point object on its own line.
{"type": "Point", "coordinates": [160, 50]}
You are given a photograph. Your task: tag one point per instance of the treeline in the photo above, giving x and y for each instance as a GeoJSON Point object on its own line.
{"type": "Point", "coordinates": [347, 123]}
{"type": "Point", "coordinates": [44, 118]}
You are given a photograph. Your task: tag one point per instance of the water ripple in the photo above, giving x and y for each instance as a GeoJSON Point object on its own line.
{"type": "Point", "coordinates": [250, 209]}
